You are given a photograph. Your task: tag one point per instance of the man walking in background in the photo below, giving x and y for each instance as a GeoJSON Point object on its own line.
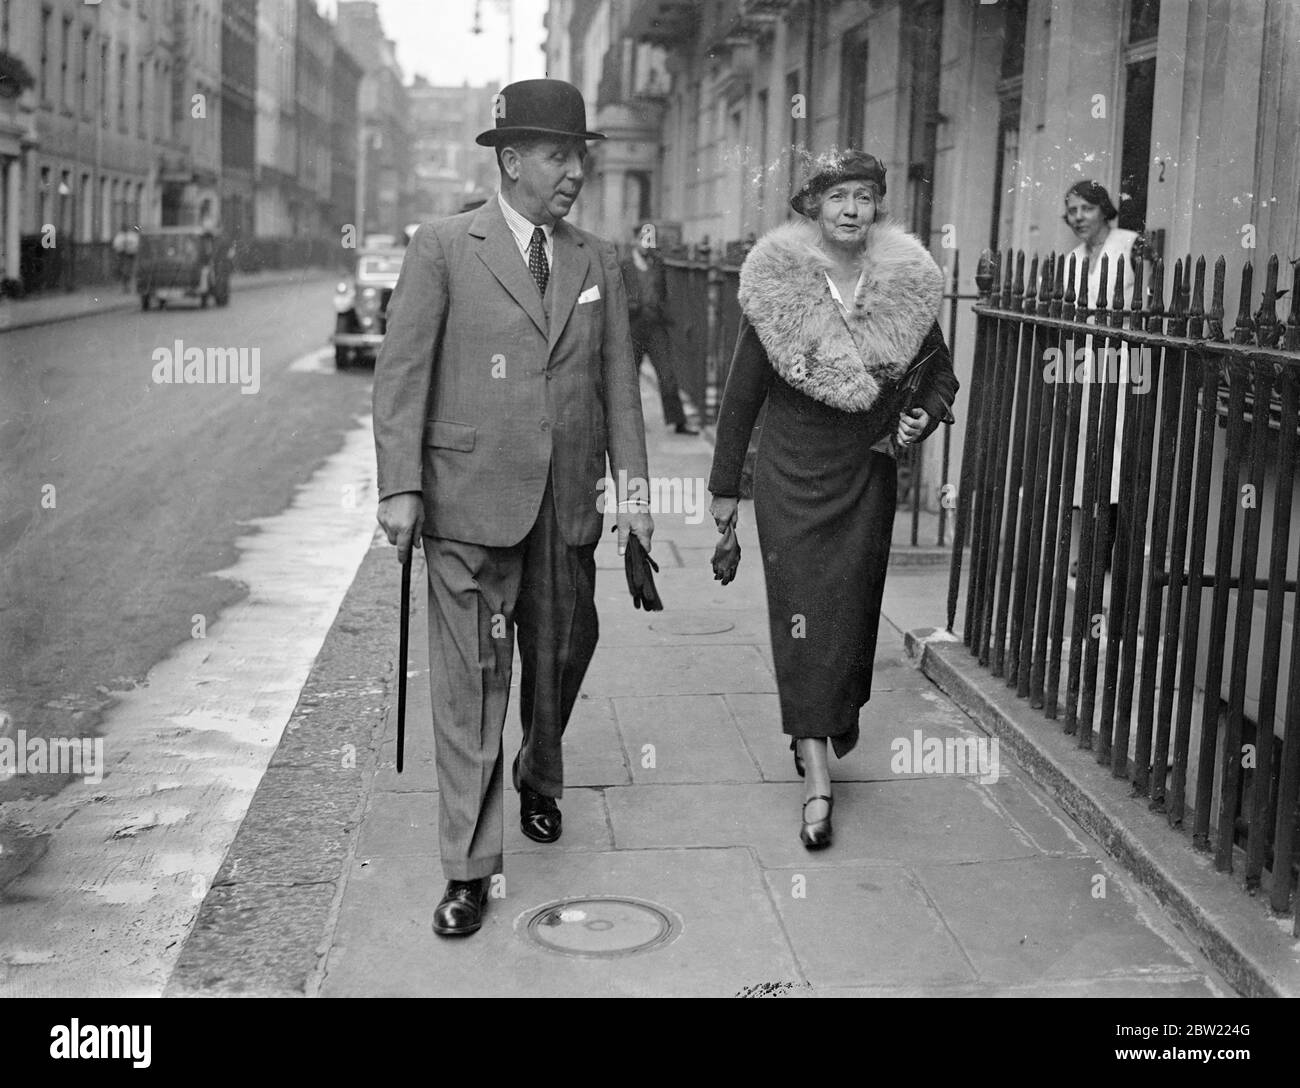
{"type": "Point", "coordinates": [505, 380]}
{"type": "Point", "coordinates": [647, 290]}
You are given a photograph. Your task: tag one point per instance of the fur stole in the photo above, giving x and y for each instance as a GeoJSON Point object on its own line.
{"type": "Point", "coordinates": [844, 361]}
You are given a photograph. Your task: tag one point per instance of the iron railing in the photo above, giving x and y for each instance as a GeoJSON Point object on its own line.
{"type": "Point", "coordinates": [704, 321]}
{"type": "Point", "coordinates": [1156, 660]}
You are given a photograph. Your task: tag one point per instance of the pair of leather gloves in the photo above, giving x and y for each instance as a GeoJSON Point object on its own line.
{"type": "Point", "coordinates": [637, 564]}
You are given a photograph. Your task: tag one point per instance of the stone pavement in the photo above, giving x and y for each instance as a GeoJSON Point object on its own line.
{"type": "Point", "coordinates": [680, 794]}
{"type": "Point", "coordinates": [53, 306]}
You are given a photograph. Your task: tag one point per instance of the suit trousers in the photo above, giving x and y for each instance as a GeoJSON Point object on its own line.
{"type": "Point", "coordinates": [649, 337]}
{"type": "Point", "coordinates": [479, 597]}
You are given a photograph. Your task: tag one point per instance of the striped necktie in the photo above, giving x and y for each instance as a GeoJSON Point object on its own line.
{"type": "Point", "coordinates": [537, 259]}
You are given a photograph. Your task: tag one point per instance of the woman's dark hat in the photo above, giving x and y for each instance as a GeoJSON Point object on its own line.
{"type": "Point", "coordinates": [541, 107]}
{"type": "Point", "coordinates": [832, 168]}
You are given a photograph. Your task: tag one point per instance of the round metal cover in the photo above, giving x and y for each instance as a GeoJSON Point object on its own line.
{"type": "Point", "coordinates": [691, 623]}
{"type": "Point", "coordinates": [601, 926]}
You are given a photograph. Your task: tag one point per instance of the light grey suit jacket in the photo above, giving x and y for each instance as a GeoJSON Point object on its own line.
{"type": "Point", "coordinates": [480, 390]}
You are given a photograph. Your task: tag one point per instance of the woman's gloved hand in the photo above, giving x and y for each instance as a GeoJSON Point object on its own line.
{"type": "Point", "coordinates": [726, 557]}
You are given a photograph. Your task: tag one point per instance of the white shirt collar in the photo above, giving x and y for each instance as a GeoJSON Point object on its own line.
{"type": "Point", "coordinates": [522, 229]}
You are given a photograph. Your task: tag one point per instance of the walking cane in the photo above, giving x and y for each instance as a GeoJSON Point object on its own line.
{"type": "Point", "coordinates": [401, 658]}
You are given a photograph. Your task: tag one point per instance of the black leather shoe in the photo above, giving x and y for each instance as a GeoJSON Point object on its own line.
{"type": "Point", "coordinates": [685, 428]}
{"type": "Point", "coordinates": [817, 834]}
{"type": "Point", "coordinates": [539, 815]}
{"type": "Point", "coordinates": [460, 912]}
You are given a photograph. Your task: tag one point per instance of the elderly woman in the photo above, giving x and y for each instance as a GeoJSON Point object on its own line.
{"type": "Point", "coordinates": [838, 336]}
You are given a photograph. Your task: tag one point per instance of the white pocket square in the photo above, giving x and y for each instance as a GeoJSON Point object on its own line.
{"type": "Point", "coordinates": [591, 294]}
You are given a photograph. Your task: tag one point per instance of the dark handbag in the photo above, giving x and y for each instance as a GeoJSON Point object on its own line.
{"type": "Point", "coordinates": [916, 375]}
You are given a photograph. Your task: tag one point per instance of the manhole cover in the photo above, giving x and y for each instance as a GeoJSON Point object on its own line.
{"type": "Point", "coordinates": [691, 624]}
{"type": "Point", "coordinates": [600, 926]}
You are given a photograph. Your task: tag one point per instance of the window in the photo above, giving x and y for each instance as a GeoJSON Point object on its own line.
{"type": "Point", "coordinates": [926, 25]}
{"type": "Point", "coordinates": [65, 65]}
{"type": "Point", "coordinates": [4, 23]}
{"type": "Point", "coordinates": [1139, 96]}
{"type": "Point", "coordinates": [83, 92]}
{"type": "Point", "coordinates": [1010, 90]}
{"type": "Point", "coordinates": [139, 99]}
{"type": "Point", "coordinates": [1143, 20]}
{"type": "Point", "coordinates": [84, 231]}
{"type": "Point", "coordinates": [762, 151]}
{"type": "Point", "coordinates": [43, 78]}
{"type": "Point", "coordinates": [103, 84]}
{"type": "Point", "coordinates": [121, 90]}
{"type": "Point", "coordinates": [164, 102]}
{"type": "Point", "coordinates": [853, 89]}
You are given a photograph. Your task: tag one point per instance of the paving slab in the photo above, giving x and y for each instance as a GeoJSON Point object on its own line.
{"type": "Point", "coordinates": [683, 738]}
{"type": "Point", "coordinates": [730, 937]}
{"type": "Point", "coordinates": [593, 753]}
{"type": "Point", "coordinates": [934, 821]}
{"type": "Point", "coordinates": [677, 670]}
{"type": "Point", "coordinates": [859, 925]}
{"type": "Point", "coordinates": [1083, 934]}
{"type": "Point", "coordinates": [405, 824]}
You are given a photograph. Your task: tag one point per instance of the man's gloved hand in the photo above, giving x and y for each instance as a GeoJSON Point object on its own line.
{"type": "Point", "coordinates": [637, 564]}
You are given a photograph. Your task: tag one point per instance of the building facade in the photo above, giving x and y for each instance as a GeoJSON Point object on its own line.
{"type": "Point", "coordinates": [450, 169]}
{"type": "Point", "coordinates": [190, 169]}
{"type": "Point", "coordinates": [98, 125]}
{"type": "Point", "coordinates": [277, 193]}
{"type": "Point", "coordinates": [238, 115]}
{"type": "Point", "coordinates": [314, 60]}
{"type": "Point", "coordinates": [385, 182]}
{"type": "Point", "coordinates": [18, 135]}
{"type": "Point", "coordinates": [345, 127]}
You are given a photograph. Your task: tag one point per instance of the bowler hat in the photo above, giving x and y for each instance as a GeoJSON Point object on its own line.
{"type": "Point", "coordinates": [831, 169]}
{"type": "Point", "coordinates": [542, 107]}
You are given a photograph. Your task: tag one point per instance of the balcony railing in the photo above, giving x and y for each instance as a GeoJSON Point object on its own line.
{"type": "Point", "coordinates": [1171, 652]}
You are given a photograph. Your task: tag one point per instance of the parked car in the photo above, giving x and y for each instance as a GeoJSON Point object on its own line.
{"type": "Point", "coordinates": [183, 262]}
{"type": "Point", "coordinates": [361, 302]}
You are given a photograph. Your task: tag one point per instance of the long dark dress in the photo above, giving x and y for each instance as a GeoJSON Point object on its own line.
{"type": "Point", "coordinates": [824, 505]}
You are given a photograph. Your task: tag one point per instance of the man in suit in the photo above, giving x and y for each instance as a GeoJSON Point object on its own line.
{"type": "Point", "coordinates": [505, 380]}
{"type": "Point", "coordinates": [645, 278]}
